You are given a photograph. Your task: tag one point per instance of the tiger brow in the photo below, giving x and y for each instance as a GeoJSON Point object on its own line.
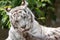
{"type": "Point", "coordinates": [17, 10]}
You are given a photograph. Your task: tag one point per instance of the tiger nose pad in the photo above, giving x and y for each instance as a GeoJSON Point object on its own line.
{"type": "Point", "coordinates": [23, 27]}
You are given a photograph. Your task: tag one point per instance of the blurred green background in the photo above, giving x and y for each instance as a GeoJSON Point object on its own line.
{"type": "Point", "coordinates": [44, 11]}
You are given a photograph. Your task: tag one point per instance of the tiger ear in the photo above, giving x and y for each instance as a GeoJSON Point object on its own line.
{"type": "Point", "coordinates": [8, 10]}
{"type": "Point", "coordinates": [24, 3]}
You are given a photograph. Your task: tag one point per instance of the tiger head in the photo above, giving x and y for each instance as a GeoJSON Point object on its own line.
{"type": "Point", "coordinates": [20, 16]}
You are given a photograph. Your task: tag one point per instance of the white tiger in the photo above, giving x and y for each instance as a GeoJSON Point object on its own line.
{"type": "Point", "coordinates": [15, 32]}
{"type": "Point", "coordinates": [23, 22]}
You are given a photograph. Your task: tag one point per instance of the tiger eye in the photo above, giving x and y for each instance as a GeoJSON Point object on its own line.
{"type": "Point", "coordinates": [16, 10]}
{"type": "Point", "coordinates": [25, 11]}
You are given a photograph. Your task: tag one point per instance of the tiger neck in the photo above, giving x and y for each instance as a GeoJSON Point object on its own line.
{"type": "Point", "coordinates": [36, 30]}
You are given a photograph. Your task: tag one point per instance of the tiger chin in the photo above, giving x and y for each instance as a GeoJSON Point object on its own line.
{"type": "Point", "coordinates": [25, 27]}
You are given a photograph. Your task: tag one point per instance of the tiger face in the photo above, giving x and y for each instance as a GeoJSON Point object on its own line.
{"type": "Point", "coordinates": [20, 17]}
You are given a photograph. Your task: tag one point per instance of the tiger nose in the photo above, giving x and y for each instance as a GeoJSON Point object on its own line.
{"type": "Point", "coordinates": [23, 26]}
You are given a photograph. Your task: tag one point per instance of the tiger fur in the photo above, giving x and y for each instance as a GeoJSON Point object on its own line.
{"type": "Point", "coordinates": [24, 25]}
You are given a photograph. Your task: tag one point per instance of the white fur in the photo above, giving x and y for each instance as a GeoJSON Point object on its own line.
{"type": "Point", "coordinates": [22, 18]}
{"type": "Point", "coordinates": [15, 35]}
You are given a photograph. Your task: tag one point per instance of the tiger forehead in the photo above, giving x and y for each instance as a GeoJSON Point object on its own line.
{"type": "Point", "coordinates": [16, 9]}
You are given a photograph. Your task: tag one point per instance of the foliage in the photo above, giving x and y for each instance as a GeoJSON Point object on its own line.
{"type": "Point", "coordinates": [41, 9]}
